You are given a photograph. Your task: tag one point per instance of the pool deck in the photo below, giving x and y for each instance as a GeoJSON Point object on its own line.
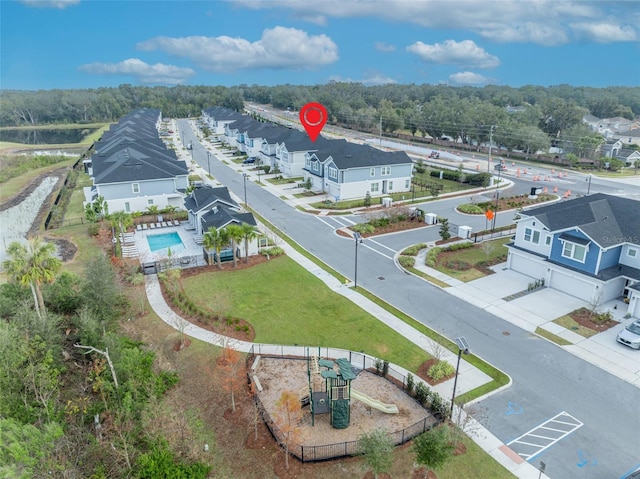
{"type": "Point", "coordinates": [145, 255]}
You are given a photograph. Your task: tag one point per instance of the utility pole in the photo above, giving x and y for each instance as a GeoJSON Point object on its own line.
{"type": "Point", "coordinates": [380, 129]}
{"type": "Point", "coordinates": [490, 145]}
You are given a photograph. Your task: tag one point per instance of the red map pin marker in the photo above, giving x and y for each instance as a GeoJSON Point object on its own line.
{"type": "Point", "coordinates": [313, 116]}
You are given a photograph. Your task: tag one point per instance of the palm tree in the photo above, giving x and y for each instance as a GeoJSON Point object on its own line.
{"type": "Point", "coordinates": [215, 239]}
{"type": "Point", "coordinates": [33, 265]}
{"type": "Point", "coordinates": [121, 220]}
{"type": "Point", "coordinates": [248, 233]}
{"type": "Point", "coordinates": [210, 240]}
{"type": "Point", "coordinates": [235, 234]}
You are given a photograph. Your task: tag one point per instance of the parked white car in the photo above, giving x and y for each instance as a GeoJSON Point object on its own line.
{"type": "Point", "coordinates": [630, 336]}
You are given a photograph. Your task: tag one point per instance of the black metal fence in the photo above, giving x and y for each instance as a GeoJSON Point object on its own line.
{"type": "Point", "coordinates": [313, 453]}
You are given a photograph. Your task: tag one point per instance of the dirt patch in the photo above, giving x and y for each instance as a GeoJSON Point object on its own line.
{"type": "Point", "coordinates": [585, 318]}
{"type": "Point", "coordinates": [66, 248]}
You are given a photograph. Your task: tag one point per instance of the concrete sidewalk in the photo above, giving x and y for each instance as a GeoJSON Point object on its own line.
{"type": "Point", "coordinates": [469, 377]}
{"type": "Point", "coordinates": [504, 294]}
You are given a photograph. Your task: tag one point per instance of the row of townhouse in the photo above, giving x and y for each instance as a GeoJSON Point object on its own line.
{"type": "Point", "coordinates": [338, 168]}
{"type": "Point", "coordinates": [588, 247]}
{"type": "Point", "coordinates": [132, 169]}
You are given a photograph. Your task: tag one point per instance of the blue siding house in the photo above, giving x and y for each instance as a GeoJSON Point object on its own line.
{"type": "Point", "coordinates": [588, 247]}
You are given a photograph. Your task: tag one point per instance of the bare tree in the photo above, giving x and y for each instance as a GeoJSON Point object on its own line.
{"type": "Point", "coordinates": [105, 353]}
{"type": "Point", "coordinates": [487, 248]}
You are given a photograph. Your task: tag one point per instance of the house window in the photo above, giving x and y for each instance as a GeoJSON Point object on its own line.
{"type": "Point", "coordinates": [407, 184]}
{"type": "Point", "coordinates": [149, 202]}
{"type": "Point", "coordinates": [632, 252]}
{"type": "Point", "coordinates": [547, 240]}
{"type": "Point", "coordinates": [375, 187]}
{"type": "Point", "coordinates": [385, 171]}
{"type": "Point", "coordinates": [333, 173]}
{"type": "Point", "coordinates": [531, 236]}
{"type": "Point", "coordinates": [574, 251]}
{"type": "Point", "coordinates": [372, 172]}
{"type": "Point", "coordinates": [391, 186]}
{"type": "Point", "coordinates": [135, 187]}
{"type": "Point", "coordinates": [263, 242]}
{"type": "Point", "coordinates": [316, 166]}
{"type": "Point", "coordinates": [127, 207]}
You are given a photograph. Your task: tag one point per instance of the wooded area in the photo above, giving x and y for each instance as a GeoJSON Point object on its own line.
{"type": "Point", "coordinates": [537, 117]}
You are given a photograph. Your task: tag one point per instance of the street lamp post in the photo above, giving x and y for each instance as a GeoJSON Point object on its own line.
{"type": "Point", "coordinates": [463, 347]}
{"type": "Point", "coordinates": [209, 162]}
{"type": "Point", "coordinates": [493, 226]}
{"type": "Point", "coordinates": [244, 175]}
{"type": "Point", "coordinates": [358, 239]}
{"type": "Point", "coordinates": [589, 185]}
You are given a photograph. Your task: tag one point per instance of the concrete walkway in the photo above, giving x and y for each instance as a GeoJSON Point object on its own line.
{"type": "Point", "coordinates": [469, 377]}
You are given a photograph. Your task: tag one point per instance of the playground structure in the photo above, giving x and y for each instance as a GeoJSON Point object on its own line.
{"type": "Point", "coordinates": [329, 391]}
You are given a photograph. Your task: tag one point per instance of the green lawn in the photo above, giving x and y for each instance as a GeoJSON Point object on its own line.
{"type": "Point", "coordinates": [308, 313]}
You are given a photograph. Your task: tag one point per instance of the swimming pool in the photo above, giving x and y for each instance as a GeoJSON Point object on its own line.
{"type": "Point", "coordinates": [165, 241]}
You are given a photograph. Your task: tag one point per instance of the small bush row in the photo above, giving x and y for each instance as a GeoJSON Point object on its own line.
{"type": "Point", "coordinates": [426, 397]}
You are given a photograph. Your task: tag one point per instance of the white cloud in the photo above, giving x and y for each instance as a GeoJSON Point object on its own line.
{"type": "Point", "coordinates": [50, 3]}
{"type": "Point", "coordinates": [450, 52]}
{"type": "Point", "coordinates": [469, 78]}
{"type": "Point", "coordinates": [278, 48]}
{"type": "Point", "coordinates": [545, 22]}
{"type": "Point", "coordinates": [143, 72]}
{"type": "Point", "coordinates": [605, 32]}
{"type": "Point", "coordinates": [384, 47]}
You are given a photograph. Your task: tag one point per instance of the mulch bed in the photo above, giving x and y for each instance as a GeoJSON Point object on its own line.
{"type": "Point", "coordinates": [423, 372]}
{"type": "Point", "coordinates": [390, 228]}
{"type": "Point", "coordinates": [584, 317]}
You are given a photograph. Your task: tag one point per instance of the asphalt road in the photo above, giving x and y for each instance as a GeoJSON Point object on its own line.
{"type": "Point", "coordinates": [599, 413]}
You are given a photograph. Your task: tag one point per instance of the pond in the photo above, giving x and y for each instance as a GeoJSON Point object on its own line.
{"type": "Point", "coordinates": [55, 136]}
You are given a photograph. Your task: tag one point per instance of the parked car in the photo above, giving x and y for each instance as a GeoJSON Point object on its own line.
{"type": "Point", "coordinates": [434, 154]}
{"type": "Point", "coordinates": [249, 161]}
{"type": "Point", "coordinates": [630, 336]}
{"type": "Point", "coordinates": [500, 167]}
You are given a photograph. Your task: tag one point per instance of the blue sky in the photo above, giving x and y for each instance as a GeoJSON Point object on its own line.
{"type": "Point", "coordinates": [89, 44]}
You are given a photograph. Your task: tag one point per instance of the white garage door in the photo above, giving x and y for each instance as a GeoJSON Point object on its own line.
{"type": "Point", "coordinates": [570, 285]}
{"type": "Point", "coordinates": [528, 266]}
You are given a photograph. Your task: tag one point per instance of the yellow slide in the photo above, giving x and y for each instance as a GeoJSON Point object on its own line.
{"type": "Point", "coordinates": [374, 403]}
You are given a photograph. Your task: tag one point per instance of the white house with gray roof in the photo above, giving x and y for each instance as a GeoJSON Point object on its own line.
{"type": "Point", "coordinates": [132, 168]}
{"type": "Point", "coordinates": [347, 170]}
{"type": "Point", "coordinates": [588, 247]}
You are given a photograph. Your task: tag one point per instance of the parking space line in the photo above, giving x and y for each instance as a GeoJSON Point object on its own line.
{"type": "Point", "coordinates": [533, 442]}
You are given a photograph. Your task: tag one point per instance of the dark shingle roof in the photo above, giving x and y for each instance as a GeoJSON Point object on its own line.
{"type": "Point", "coordinates": [347, 155]}
{"type": "Point", "coordinates": [205, 197]}
{"type": "Point", "coordinates": [223, 215]}
{"type": "Point", "coordinates": [135, 164]}
{"type": "Point", "coordinates": [607, 220]}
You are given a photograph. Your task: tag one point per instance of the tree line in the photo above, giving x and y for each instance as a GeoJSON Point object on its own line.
{"type": "Point", "coordinates": [528, 118]}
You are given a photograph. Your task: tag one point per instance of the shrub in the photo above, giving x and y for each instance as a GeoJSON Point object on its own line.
{"type": "Point", "coordinates": [407, 261]}
{"type": "Point", "coordinates": [422, 393]}
{"type": "Point", "coordinates": [470, 209]}
{"type": "Point", "coordinates": [414, 250]}
{"type": "Point", "coordinates": [432, 256]}
{"type": "Point", "coordinates": [363, 228]}
{"type": "Point", "coordinates": [441, 370]}
{"type": "Point", "coordinates": [273, 251]}
{"type": "Point", "coordinates": [410, 384]}
{"type": "Point", "coordinates": [458, 246]}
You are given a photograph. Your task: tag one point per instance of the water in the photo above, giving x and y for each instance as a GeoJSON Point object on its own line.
{"type": "Point", "coordinates": [16, 221]}
{"type": "Point", "coordinates": [165, 241]}
{"type": "Point", "coordinates": [45, 137]}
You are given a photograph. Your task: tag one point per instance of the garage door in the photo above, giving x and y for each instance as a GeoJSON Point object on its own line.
{"type": "Point", "coordinates": [571, 285]}
{"type": "Point", "coordinates": [528, 266]}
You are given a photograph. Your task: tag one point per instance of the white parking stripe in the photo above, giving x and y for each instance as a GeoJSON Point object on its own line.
{"type": "Point", "coordinates": [524, 444]}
